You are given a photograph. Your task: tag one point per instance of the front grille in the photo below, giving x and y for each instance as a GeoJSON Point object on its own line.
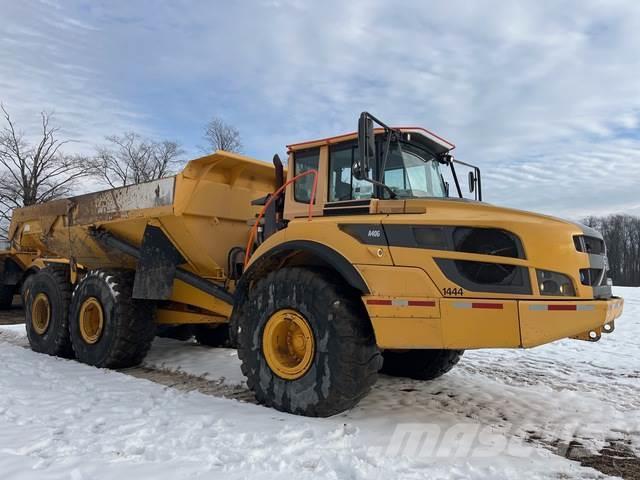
{"type": "Point", "coordinates": [588, 244]}
{"type": "Point", "coordinates": [593, 277]}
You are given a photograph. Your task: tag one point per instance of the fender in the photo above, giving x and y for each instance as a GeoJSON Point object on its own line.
{"type": "Point", "coordinates": [278, 256]}
{"type": "Point", "coordinates": [326, 254]}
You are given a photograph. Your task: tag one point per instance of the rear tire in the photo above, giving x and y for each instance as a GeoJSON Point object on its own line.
{"type": "Point", "coordinates": [213, 336]}
{"type": "Point", "coordinates": [341, 364]}
{"type": "Point", "coordinates": [46, 310]}
{"type": "Point", "coordinates": [108, 328]}
{"type": "Point", "coordinates": [420, 364]}
{"type": "Point", "coordinates": [24, 288]}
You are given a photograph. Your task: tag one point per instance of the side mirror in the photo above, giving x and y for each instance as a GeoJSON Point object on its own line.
{"type": "Point", "coordinates": [472, 182]}
{"type": "Point", "coordinates": [366, 147]}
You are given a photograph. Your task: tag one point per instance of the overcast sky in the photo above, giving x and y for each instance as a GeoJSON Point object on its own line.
{"type": "Point", "coordinates": [543, 96]}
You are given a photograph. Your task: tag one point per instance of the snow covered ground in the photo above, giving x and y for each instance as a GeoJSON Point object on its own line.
{"type": "Point", "coordinates": [499, 414]}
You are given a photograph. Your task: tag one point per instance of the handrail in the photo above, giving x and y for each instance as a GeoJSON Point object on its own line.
{"type": "Point", "coordinates": [275, 195]}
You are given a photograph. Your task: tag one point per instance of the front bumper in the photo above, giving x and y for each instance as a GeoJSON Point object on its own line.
{"type": "Point", "coordinates": [462, 323]}
{"type": "Point", "coordinates": [544, 322]}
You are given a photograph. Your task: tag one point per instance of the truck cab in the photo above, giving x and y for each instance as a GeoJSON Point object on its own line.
{"type": "Point", "coordinates": [414, 167]}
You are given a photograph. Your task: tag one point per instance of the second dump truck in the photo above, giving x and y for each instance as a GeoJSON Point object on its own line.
{"type": "Point", "coordinates": [359, 258]}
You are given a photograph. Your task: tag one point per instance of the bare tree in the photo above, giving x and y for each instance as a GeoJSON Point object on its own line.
{"type": "Point", "coordinates": [32, 173]}
{"type": "Point", "coordinates": [219, 135]}
{"type": "Point", "coordinates": [131, 159]}
{"type": "Point", "coordinates": [622, 236]}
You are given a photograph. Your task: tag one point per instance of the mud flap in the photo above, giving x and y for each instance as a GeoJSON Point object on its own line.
{"type": "Point", "coordinates": [156, 266]}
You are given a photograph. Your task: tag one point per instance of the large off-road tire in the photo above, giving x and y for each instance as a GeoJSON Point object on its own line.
{"type": "Point", "coordinates": [25, 287]}
{"type": "Point", "coordinates": [213, 335]}
{"type": "Point", "coordinates": [420, 364]}
{"type": "Point", "coordinates": [306, 344]}
{"type": "Point", "coordinates": [108, 328]}
{"type": "Point", "coordinates": [46, 310]}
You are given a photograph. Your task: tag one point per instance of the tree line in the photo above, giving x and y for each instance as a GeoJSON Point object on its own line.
{"type": "Point", "coordinates": [622, 236]}
{"type": "Point", "coordinates": [36, 168]}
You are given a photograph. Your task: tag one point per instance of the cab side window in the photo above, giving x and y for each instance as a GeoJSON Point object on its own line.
{"type": "Point", "coordinates": [342, 185]}
{"type": "Point", "coordinates": [305, 160]}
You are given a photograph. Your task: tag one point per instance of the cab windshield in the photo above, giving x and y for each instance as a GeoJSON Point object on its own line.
{"type": "Point", "coordinates": [411, 172]}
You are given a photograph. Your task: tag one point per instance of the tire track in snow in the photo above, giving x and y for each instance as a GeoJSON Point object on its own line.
{"type": "Point", "coordinates": [189, 383]}
{"type": "Point", "coordinates": [178, 380]}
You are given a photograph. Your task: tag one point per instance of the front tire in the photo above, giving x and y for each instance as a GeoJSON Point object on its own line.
{"type": "Point", "coordinates": [46, 309]}
{"type": "Point", "coordinates": [420, 364]}
{"type": "Point", "coordinates": [306, 344]}
{"type": "Point", "coordinates": [108, 328]}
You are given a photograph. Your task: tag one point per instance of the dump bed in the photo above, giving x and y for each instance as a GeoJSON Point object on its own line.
{"type": "Point", "coordinates": [203, 210]}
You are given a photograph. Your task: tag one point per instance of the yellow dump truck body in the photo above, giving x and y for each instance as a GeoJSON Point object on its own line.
{"type": "Point", "coordinates": [203, 210]}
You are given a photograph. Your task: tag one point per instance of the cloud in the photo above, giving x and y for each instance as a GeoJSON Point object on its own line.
{"type": "Point", "coordinates": [46, 64]}
{"type": "Point", "coordinates": [543, 96]}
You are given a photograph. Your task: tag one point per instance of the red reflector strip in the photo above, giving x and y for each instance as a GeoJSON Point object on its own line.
{"type": "Point", "coordinates": [492, 306]}
{"type": "Point", "coordinates": [422, 303]}
{"type": "Point", "coordinates": [562, 307]}
{"type": "Point", "coordinates": [401, 302]}
{"type": "Point", "coordinates": [375, 301]}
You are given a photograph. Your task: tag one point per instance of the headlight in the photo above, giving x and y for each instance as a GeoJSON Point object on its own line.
{"type": "Point", "coordinates": [552, 283]}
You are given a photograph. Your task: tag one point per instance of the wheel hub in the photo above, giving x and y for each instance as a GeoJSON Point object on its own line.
{"type": "Point", "coordinates": [288, 344]}
{"type": "Point", "coordinates": [91, 320]}
{"type": "Point", "coordinates": [40, 313]}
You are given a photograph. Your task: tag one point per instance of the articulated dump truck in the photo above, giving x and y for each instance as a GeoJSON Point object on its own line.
{"type": "Point", "coordinates": [363, 256]}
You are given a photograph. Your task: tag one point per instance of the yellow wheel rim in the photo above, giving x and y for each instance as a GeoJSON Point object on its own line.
{"type": "Point", "coordinates": [40, 313]}
{"type": "Point", "coordinates": [288, 344]}
{"type": "Point", "coordinates": [91, 320]}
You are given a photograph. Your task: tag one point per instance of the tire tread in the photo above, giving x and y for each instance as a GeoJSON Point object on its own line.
{"type": "Point", "coordinates": [135, 328]}
{"type": "Point", "coordinates": [356, 358]}
{"type": "Point", "coordinates": [420, 364]}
